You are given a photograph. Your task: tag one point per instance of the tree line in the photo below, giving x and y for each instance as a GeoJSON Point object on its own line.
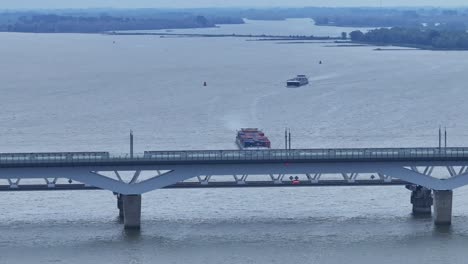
{"type": "Point", "coordinates": [445, 20]}
{"type": "Point", "coordinates": [53, 23]}
{"type": "Point", "coordinates": [423, 38]}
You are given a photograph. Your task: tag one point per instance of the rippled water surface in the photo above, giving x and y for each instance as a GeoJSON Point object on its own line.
{"type": "Point", "coordinates": [71, 92]}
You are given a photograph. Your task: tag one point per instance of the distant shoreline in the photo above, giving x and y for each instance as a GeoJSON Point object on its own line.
{"type": "Point", "coordinates": [397, 46]}
{"type": "Point", "coordinates": [259, 37]}
{"type": "Point", "coordinates": [108, 19]}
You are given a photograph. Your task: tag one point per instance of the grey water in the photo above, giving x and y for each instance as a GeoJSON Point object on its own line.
{"type": "Point", "coordinates": [75, 92]}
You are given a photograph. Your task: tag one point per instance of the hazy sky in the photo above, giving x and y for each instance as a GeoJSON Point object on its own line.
{"type": "Point", "coordinates": [5, 4]}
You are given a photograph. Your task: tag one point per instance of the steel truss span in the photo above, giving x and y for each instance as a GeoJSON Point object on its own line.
{"type": "Point", "coordinates": [204, 182]}
{"type": "Point", "coordinates": [139, 179]}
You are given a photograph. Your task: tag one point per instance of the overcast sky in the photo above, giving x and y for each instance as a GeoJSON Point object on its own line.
{"type": "Point", "coordinates": [8, 4]}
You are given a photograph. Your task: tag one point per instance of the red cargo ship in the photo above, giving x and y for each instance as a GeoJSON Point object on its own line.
{"type": "Point", "coordinates": [252, 138]}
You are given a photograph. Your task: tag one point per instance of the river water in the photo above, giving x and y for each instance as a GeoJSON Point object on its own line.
{"type": "Point", "coordinates": [73, 92]}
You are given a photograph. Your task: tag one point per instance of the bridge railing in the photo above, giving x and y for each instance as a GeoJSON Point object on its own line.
{"type": "Point", "coordinates": [240, 155]}
{"type": "Point", "coordinates": [300, 154]}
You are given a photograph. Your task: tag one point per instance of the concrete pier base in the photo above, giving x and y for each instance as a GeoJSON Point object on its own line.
{"type": "Point", "coordinates": [421, 199]}
{"type": "Point", "coordinates": [131, 211]}
{"type": "Point", "coordinates": [443, 207]}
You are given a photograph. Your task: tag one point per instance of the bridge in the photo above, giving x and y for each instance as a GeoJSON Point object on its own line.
{"type": "Point", "coordinates": [430, 173]}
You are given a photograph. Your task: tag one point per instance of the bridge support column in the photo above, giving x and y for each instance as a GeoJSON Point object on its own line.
{"type": "Point", "coordinates": [443, 207]}
{"type": "Point", "coordinates": [421, 199]}
{"type": "Point", "coordinates": [131, 211]}
{"type": "Point", "coordinates": [120, 206]}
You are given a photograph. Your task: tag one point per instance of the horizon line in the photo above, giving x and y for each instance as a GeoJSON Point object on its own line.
{"type": "Point", "coordinates": [231, 7]}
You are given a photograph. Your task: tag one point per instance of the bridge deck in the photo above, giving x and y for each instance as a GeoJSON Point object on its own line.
{"type": "Point", "coordinates": [197, 185]}
{"type": "Point", "coordinates": [233, 156]}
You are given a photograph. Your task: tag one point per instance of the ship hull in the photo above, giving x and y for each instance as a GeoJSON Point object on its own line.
{"type": "Point", "coordinates": [295, 84]}
{"type": "Point", "coordinates": [241, 146]}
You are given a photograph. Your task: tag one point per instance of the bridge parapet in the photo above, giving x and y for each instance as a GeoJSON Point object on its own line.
{"type": "Point", "coordinates": [237, 156]}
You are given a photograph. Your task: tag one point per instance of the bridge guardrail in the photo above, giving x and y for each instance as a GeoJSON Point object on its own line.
{"type": "Point", "coordinates": [239, 155]}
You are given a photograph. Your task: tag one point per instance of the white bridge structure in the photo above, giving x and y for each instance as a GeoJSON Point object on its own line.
{"type": "Point", "coordinates": [430, 173]}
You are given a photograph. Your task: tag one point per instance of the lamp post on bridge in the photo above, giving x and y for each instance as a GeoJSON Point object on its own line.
{"type": "Point", "coordinates": [445, 137]}
{"type": "Point", "coordinates": [440, 138]}
{"type": "Point", "coordinates": [287, 138]}
{"type": "Point", "coordinates": [131, 144]}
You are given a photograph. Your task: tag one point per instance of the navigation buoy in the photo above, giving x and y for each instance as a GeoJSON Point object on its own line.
{"type": "Point", "coordinates": [320, 62]}
{"type": "Point", "coordinates": [204, 84]}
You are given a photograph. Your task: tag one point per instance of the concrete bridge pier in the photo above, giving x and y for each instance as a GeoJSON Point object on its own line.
{"type": "Point", "coordinates": [421, 199]}
{"type": "Point", "coordinates": [443, 207]}
{"type": "Point", "coordinates": [120, 206]}
{"type": "Point", "coordinates": [131, 210]}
